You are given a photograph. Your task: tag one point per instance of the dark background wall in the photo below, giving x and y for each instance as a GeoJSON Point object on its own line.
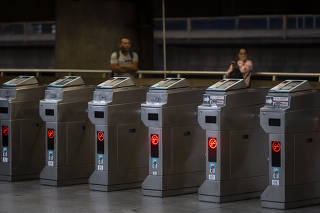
{"type": "Point", "coordinates": [33, 57]}
{"type": "Point", "coordinates": [213, 8]}
{"type": "Point", "coordinates": [27, 10]}
{"type": "Point", "coordinates": [88, 32]}
{"type": "Point", "coordinates": [266, 58]}
{"type": "Point", "coordinates": [276, 56]}
{"type": "Point", "coordinates": [17, 53]}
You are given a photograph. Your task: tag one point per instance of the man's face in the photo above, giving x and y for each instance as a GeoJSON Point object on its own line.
{"type": "Point", "coordinates": [242, 55]}
{"type": "Point", "coordinates": [125, 45]}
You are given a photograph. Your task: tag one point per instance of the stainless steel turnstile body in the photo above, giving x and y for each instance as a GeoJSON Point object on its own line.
{"type": "Point", "coordinates": [22, 147]}
{"type": "Point", "coordinates": [291, 118]}
{"type": "Point", "coordinates": [69, 145]}
{"type": "Point", "coordinates": [236, 163]}
{"type": "Point", "coordinates": [176, 154]}
{"type": "Point", "coordinates": [120, 136]}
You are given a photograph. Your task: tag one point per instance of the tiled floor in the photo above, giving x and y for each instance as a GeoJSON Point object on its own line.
{"type": "Point", "coordinates": [29, 196]}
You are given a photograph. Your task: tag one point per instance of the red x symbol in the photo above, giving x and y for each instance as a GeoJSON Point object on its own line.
{"type": "Point", "coordinates": [51, 133]}
{"type": "Point", "coordinates": [5, 130]}
{"type": "Point", "coordinates": [100, 135]}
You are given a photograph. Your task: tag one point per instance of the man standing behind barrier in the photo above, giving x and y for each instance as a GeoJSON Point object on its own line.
{"type": "Point", "coordinates": [124, 63]}
{"type": "Point", "coordinates": [242, 69]}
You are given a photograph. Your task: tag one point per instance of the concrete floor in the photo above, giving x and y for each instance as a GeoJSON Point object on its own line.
{"type": "Point", "coordinates": [29, 196]}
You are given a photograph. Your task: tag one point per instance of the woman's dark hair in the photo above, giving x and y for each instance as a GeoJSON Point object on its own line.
{"type": "Point", "coordinates": [243, 48]}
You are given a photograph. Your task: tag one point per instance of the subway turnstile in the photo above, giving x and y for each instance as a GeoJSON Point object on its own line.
{"type": "Point", "coordinates": [69, 147]}
{"type": "Point", "coordinates": [22, 148]}
{"type": "Point", "coordinates": [176, 152]}
{"type": "Point", "coordinates": [236, 160]}
{"type": "Point", "coordinates": [291, 118]}
{"type": "Point", "coordinates": [121, 150]}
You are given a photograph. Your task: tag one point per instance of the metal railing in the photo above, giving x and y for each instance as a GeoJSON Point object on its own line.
{"type": "Point", "coordinates": [282, 26]}
{"type": "Point", "coordinates": [177, 73]}
{"type": "Point", "coordinates": [258, 22]}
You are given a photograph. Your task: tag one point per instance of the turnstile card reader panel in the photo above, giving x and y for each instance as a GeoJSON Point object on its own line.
{"type": "Point", "coordinates": [170, 83]}
{"type": "Point", "coordinates": [67, 81]}
{"type": "Point", "coordinates": [21, 81]}
{"type": "Point", "coordinates": [228, 84]}
{"type": "Point", "coordinates": [117, 82]}
{"type": "Point", "coordinates": [291, 86]}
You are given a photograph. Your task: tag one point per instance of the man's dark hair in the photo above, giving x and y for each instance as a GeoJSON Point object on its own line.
{"type": "Point", "coordinates": [243, 48]}
{"type": "Point", "coordinates": [124, 38]}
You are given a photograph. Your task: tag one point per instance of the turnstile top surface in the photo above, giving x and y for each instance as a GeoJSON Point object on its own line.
{"type": "Point", "coordinates": [117, 82]}
{"type": "Point", "coordinates": [21, 80]}
{"type": "Point", "coordinates": [235, 98]}
{"type": "Point", "coordinates": [281, 96]}
{"type": "Point", "coordinates": [118, 90]}
{"type": "Point", "coordinates": [170, 83]}
{"type": "Point", "coordinates": [67, 81]}
{"type": "Point", "coordinates": [69, 88]}
{"type": "Point", "coordinates": [289, 86]}
{"type": "Point", "coordinates": [228, 84]}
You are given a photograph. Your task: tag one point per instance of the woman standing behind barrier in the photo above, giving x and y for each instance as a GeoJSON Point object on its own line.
{"type": "Point", "coordinates": [242, 69]}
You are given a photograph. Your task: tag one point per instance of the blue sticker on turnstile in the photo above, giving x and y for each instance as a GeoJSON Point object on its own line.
{"type": "Point", "coordinates": [275, 176]}
{"type": "Point", "coordinates": [212, 171]}
{"type": "Point", "coordinates": [5, 155]}
{"type": "Point", "coordinates": [100, 159]}
{"type": "Point", "coordinates": [155, 163]}
{"type": "Point", "coordinates": [100, 162]}
{"type": "Point", "coordinates": [50, 158]}
{"type": "Point", "coordinates": [5, 152]}
{"type": "Point", "coordinates": [50, 155]}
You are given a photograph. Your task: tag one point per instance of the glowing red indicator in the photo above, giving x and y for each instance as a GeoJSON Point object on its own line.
{"type": "Point", "coordinates": [212, 142]}
{"type": "Point", "coordinates": [50, 133]}
{"type": "Point", "coordinates": [5, 130]}
{"type": "Point", "coordinates": [276, 146]}
{"type": "Point", "coordinates": [154, 139]}
{"type": "Point", "coordinates": [100, 135]}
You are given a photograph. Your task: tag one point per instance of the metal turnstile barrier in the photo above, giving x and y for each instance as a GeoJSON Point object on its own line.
{"type": "Point", "coordinates": [69, 146]}
{"type": "Point", "coordinates": [176, 154]}
{"type": "Point", "coordinates": [236, 160]}
{"type": "Point", "coordinates": [22, 148]}
{"type": "Point", "coordinates": [121, 151]}
{"type": "Point", "coordinates": [291, 119]}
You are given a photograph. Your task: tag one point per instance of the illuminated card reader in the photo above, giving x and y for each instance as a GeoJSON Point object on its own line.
{"type": "Point", "coordinates": [21, 147]}
{"type": "Point", "coordinates": [170, 83]}
{"type": "Point", "coordinates": [236, 152]}
{"type": "Point", "coordinates": [69, 146]}
{"type": "Point", "coordinates": [227, 85]}
{"type": "Point", "coordinates": [291, 86]}
{"type": "Point", "coordinates": [290, 117]}
{"type": "Point", "coordinates": [176, 156]}
{"type": "Point", "coordinates": [67, 81]}
{"type": "Point", "coordinates": [121, 160]}
{"type": "Point", "coordinates": [117, 82]}
{"type": "Point", "coordinates": [21, 81]}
